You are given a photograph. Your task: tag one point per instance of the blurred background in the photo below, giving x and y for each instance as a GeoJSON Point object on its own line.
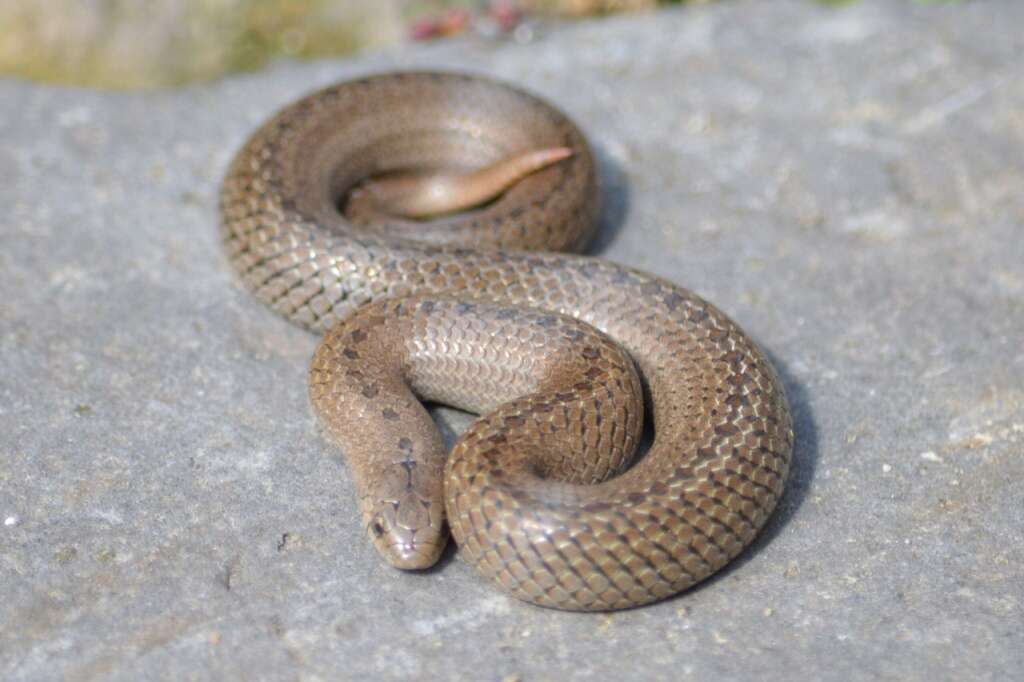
{"type": "Point", "coordinates": [157, 43]}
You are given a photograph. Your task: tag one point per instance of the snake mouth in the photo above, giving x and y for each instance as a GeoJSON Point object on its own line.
{"type": "Point", "coordinates": [406, 548]}
{"type": "Point", "coordinates": [409, 555]}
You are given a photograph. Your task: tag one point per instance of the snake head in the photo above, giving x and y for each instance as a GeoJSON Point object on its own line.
{"type": "Point", "coordinates": [407, 530]}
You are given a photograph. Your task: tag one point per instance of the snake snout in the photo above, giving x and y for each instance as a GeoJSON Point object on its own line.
{"type": "Point", "coordinates": [412, 556]}
{"type": "Point", "coordinates": [406, 548]}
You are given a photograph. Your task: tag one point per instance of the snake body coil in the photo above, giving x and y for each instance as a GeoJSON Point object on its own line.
{"type": "Point", "coordinates": [538, 492]}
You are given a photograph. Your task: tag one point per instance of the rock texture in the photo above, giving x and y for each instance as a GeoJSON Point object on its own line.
{"type": "Point", "coordinates": [846, 183]}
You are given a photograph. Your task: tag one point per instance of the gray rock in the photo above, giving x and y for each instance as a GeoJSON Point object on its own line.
{"type": "Point", "coordinates": [846, 183]}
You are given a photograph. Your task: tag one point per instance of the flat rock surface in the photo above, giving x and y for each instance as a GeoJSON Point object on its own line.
{"type": "Point", "coordinates": [848, 184]}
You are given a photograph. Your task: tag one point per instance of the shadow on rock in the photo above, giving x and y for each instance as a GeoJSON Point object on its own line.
{"type": "Point", "coordinates": [613, 193]}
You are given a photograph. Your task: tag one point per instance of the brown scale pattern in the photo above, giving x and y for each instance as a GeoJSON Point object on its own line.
{"type": "Point", "coordinates": [487, 329]}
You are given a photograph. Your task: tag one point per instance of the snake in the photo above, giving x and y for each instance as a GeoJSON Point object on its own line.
{"type": "Point", "coordinates": [572, 362]}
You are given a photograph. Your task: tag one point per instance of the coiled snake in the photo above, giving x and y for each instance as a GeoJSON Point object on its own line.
{"type": "Point", "coordinates": [539, 492]}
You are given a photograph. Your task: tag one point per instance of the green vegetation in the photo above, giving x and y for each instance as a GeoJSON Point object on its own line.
{"type": "Point", "coordinates": [130, 44]}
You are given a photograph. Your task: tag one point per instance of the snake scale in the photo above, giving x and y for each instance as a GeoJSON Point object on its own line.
{"type": "Point", "coordinates": [483, 310]}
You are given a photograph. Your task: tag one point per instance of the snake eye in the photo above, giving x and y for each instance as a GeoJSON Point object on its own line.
{"type": "Point", "coordinates": [377, 529]}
